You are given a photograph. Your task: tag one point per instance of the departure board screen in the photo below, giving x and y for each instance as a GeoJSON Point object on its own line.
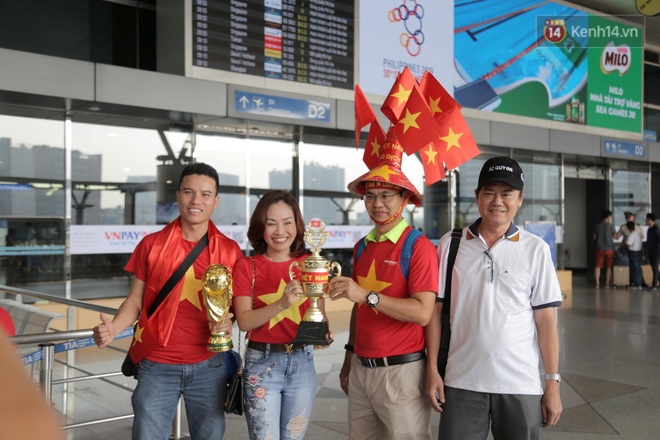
{"type": "Point", "coordinates": [307, 41]}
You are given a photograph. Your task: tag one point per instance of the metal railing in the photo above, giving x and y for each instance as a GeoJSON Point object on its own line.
{"type": "Point", "coordinates": [47, 343]}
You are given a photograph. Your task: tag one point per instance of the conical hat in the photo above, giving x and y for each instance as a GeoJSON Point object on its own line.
{"type": "Point", "coordinates": [387, 172]}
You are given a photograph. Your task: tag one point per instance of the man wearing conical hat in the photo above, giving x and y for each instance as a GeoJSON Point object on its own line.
{"type": "Point", "coordinates": [394, 284]}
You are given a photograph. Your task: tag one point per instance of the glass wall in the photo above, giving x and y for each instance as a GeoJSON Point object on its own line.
{"type": "Point", "coordinates": [630, 192]}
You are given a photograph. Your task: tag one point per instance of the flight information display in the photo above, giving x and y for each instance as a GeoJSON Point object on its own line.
{"type": "Point", "coordinates": [307, 41]}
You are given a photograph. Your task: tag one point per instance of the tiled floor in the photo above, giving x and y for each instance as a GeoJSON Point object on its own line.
{"type": "Point", "coordinates": [610, 359]}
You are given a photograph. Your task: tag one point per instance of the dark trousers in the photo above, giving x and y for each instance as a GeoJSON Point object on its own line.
{"type": "Point", "coordinates": [654, 260]}
{"type": "Point", "coordinates": [635, 266]}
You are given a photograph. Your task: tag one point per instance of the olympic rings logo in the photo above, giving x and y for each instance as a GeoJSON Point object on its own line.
{"type": "Point", "coordinates": [411, 17]}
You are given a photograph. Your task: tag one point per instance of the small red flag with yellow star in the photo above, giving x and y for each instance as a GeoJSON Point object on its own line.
{"type": "Point", "coordinates": [455, 143]}
{"type": "Point", "coordinates": [372, 149]}
{"type": "Point", "coordinates": [396, 99]}
{"type": "Point", "coordinates": [416, 127]}
{"type": "Point", "coordinates": [364, 114]}
{"type": "Point", "coordinates": [434, 168]}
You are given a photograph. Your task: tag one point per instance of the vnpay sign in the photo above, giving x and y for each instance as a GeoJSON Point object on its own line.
{"type": "Point", "coordinates": [125, 235]}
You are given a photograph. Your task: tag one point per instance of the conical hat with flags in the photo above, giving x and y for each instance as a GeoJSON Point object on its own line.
{"type": "Point", "coordinates": [387, 172]}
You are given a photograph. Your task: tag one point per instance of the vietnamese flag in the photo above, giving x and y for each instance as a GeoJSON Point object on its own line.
{"type": "Point", "coordinates": [396, 100]}
{"type": "Point", "coordinates": [364, 114]}
{"type": "Point", "coordinates": [416, 127]}
{"type": "Point", "coordinates": [375, 141]}
{"type": "Point", "coordinates": [455, 143]}
{"type": "Point", "coordinates": [438, 99]}
{"type": "Point", "coordinates": [434, 169]}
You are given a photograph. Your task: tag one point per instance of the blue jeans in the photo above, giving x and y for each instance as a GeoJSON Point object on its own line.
{"type": "Point", "coordinates": [203, 386]}
{"type": "Point", "coordinates": [278, 392]}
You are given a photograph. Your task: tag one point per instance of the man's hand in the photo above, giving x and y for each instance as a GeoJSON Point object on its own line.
{"type": "Point", "coordinates": [104, 333]}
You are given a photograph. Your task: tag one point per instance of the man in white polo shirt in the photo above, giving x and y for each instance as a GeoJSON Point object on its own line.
{"type": "Point", "coordinates": [503, 296]}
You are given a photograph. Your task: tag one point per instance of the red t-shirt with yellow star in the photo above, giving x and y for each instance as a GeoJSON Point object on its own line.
{"type": "Point", "coordinates": [189, 337]}
{"type": "Point", "coordinates": [377, 334]}
{"type": "Point", "coordinates": [272, 278]}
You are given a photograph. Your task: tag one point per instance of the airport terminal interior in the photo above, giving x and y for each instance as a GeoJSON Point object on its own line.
{"type": "Point", "coordinates": [104, 102]}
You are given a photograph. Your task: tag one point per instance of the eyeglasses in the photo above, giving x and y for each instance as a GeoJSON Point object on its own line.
{"type": "Point", "coordinates": [385, 197]}
{"type": "Point", "coordinates": [489, 266]}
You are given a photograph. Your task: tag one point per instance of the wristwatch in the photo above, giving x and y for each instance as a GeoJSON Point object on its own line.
{"type": "Point", "coordinates": [554, 376]}
{"type": "Point", "coordinates": [373, 299]}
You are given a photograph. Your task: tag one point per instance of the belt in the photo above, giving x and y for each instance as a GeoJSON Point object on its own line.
{"type": "Point", "coordinates": [273, 348]}
{"type": "Point", "coordinates": [392, 360]}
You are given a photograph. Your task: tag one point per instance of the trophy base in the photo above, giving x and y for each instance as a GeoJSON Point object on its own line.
{"type": "Point", "coordinates": [313, 333]}
{"type": "Point", "coordinates": [219, 344]}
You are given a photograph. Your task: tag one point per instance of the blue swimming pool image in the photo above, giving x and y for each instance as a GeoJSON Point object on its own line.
{"type": "Point", "coordinates": [500, 46]}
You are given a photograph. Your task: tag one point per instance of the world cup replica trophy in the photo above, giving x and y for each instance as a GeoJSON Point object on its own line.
{"type": "Point", "coordinates": [216, 286]}
{"type": "Point", "coordinates": [314, 275]}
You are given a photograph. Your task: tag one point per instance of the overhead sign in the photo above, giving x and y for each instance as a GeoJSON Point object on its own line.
{"type": "Point", "coordinates": [306, 42]}
{"type": "Point", "coordinates": [278, 106]}
{"type": "Point", "coordinates": [613, 147]}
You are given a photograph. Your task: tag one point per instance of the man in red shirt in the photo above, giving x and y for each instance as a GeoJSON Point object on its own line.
{"type": "Point", "coordinates": [384, 369]}
{"type": "Point", "coordinates": [171, 344]}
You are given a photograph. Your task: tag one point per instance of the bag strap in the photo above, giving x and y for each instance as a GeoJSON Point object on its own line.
{"type": "Point", "coordinates": [456, 235]}
{"type": "Point", "coordinates": [247, 334]}
{"type": "Point", "coordinates": [178, 274]}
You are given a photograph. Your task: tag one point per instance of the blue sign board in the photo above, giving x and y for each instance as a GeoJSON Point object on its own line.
{"type": "Point", "coordinates": [650, 135]}
{"type": "Point", "coordinates": [278, 106]}
{"type": "Point", "coordinates": [613, 147]}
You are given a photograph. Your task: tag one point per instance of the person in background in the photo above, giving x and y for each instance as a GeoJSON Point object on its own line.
{"type": "Point", "coordinates": [279, 385]}
{"type": "Point", "coordinates": [634, 245]}
{"type": "Point", "coordinates": [653, 249]}
{"type": "Point", "coordinates": [604, 236]}
{"type": "Point", "coordinates": [24, 411]}
{"type": "Point", "coordinates": [625, 233]}
{"type": "Point", "coordinates": [171, 345]}
{"type": "Point", "coordinates": [384, 368]}
{"type": "Point", "coordinates": [504, 293]}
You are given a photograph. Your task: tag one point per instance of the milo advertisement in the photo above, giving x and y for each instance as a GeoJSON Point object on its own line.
{"type": "Point", "coordinates": [550, 61]}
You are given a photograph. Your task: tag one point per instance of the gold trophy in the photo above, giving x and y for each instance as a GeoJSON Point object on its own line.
{"type": "Point", "coordinates": [314, 275]}
{"type": "Point", "coordinates": [216, 286]}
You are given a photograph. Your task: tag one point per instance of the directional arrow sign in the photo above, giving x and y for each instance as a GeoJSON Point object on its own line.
{"type": "Point", "coordinates": [268, 105]}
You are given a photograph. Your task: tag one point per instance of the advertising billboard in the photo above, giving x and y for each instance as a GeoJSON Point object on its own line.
{"type": "Point", "coordinates": [549, 61]}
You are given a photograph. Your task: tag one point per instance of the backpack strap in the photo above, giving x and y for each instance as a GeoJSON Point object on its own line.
{"type": "Point", "coordinates": [406, 251]}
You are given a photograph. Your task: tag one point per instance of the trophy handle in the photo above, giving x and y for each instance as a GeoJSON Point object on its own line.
{"type": "Point", "coordinates": [337, 269]}
{"type": "Point", "coordinates": [292, 275]}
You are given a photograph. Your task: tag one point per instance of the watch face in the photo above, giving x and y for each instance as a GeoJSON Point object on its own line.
{"type": "Point", "coordinates": [373, 299]}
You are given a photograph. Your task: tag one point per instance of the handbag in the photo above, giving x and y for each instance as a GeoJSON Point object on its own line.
{"type": "Point", "coordinates": [234, 400]}
{"type": "Point", "coordinates": [130, 368]}
{"type": "Point", "coordinates": [445, 335]}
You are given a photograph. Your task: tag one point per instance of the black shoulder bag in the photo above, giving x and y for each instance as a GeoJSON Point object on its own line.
{"type": "Point", "coordinates": [130, 368]}
{"type": "Point", "coordinates": [445, 336]}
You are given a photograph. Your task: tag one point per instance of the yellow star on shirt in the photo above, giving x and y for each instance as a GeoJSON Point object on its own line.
{"type": "Point", "coordinates": [402, 95]}
{"type": "Point", "coordinates": [434, 104]}
{"type": "Point", "coordinates": [430, 155]}
{"type": "Point", "coordinates": [371, 282]}
{"type": "Point", "coordinates": [452, 139]}
{"type": "Point", "coordinates": [137, 336]}
{"type": "Point", "coordinates": [293, 312]}
{"type": "Point", "coordinates": [191, 288]}
{"type": "Point", "coordinates": [410, 120]}
{"type": "Point", "coordinates": [382, 171]}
